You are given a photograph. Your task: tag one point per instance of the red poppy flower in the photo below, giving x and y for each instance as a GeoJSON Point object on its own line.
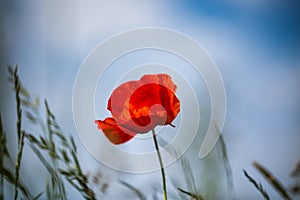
{"type": "Point", "coordinates": [139, 106]}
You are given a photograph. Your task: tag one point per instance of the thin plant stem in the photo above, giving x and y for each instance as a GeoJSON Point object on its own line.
{"type": "Point", "coordinates": [18, 164]}
{"type": "Point", "coordinates": [20, 133]}
{"type": "Point", "coordinates": [53, 150]}
{"type": "Point", "coordinates": [258, 186]}
{"type": "Point", "coordinates": [275, 183]}
{"type": "Point", "coordinates": [161, 165]}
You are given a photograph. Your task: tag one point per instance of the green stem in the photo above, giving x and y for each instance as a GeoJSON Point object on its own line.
{"type": "Point", "coordinates": [17, 87]}
{"type": "Point", "coordinates": [161, 165]}
{"type": "Point", "coordinates": [18, 164]}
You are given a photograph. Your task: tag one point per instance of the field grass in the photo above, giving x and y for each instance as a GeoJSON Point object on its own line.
{"type": "Point", "coordinates": [57, 152]}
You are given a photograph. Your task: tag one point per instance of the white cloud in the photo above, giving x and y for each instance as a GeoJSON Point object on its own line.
{"type": "Point", "coordinates": [80, 23]}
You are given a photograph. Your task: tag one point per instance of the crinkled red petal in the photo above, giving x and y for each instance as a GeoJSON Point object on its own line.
{"type": "Point", "coordinates": [113, 132]}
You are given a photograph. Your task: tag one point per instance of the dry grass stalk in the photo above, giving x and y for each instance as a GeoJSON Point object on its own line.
{"type": "Point", "coordinates": [258, 186]}
{"type": "Point", "coordinates": [275, 183]}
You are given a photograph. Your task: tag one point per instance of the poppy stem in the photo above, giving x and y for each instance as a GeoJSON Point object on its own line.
{"type": "Point", "coordinates": [161, 165]}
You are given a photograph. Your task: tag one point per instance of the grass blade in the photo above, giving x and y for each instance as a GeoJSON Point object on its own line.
{"type": "Point", "coordinates": [224, 157]}
{"type": "Point", "coordinates": [44, 161]}
{"type": "Point", "coordinates": [133, 189]}
{"type": "Point", "coordinates": [296, 170]}
{"type": "Point", "coordinates": [38, 196]}
{"type": "Point", "coordinates": [8, 175]}
{"type": "Point", "coordinates": [46, 164]}
{"type": "Point", "coordinates": [258, 186]}
{"type": "Point", "coordinates": [193, 196]}
{"type": "Point", "coordinates": [272, 180]}
{"type": "Point", "coordinates": [20, 133]}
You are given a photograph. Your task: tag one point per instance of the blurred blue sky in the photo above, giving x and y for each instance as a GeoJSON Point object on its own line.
{"type": "Point", "coordinates": [255, 44]}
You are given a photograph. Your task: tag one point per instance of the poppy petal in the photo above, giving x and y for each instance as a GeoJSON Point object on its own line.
{"type": "Point", "coordinates": [171, 104]}
{"type": "Point", "coordinates": [161, 79]}
{"type": "Point", "coordinates": [113, 132]}
{"type": "Point", "coordinates": [141, 105]}
{"type": "Point", "coordinates": [118, 103]}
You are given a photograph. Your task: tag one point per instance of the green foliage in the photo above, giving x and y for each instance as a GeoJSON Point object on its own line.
{"type": "Point", "coordinates": [20, 133]}
{"type": "Point", "coordinates": [61, 162]}
{"type": "Point", "coordinates": [5, 172]}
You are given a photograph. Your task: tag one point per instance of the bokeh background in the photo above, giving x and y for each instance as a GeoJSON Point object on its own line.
{"type": "Point", "coordinates": [255, 44]}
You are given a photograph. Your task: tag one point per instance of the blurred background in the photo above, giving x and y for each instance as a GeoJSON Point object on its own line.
{"type": "Point", "coordinates": [255, 44]}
